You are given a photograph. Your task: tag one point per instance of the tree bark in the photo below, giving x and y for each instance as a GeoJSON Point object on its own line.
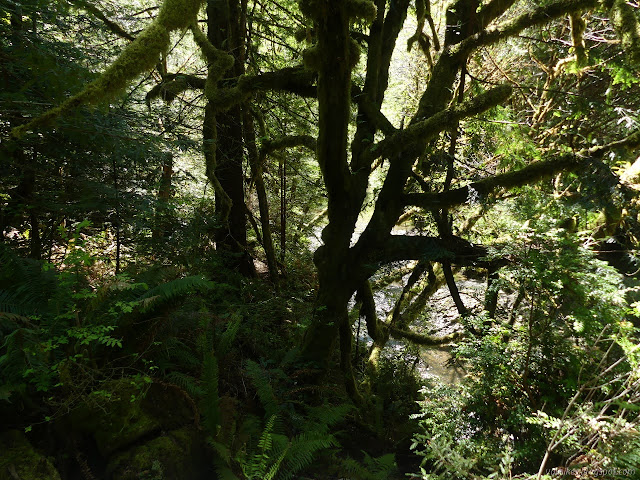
{"type": "Point", "coordinates": [226, 32]}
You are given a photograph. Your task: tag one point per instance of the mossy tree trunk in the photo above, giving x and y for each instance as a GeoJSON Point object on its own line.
{"type": "Point", "coordinates": [226, 32]}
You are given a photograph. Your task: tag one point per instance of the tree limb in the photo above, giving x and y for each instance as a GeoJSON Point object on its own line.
{"type": "Point", "coordinates": [298, 80]}
{"type": "Point", "coordinates": [96, 12]}
{"type": "Point", "coordinates": [429, 249]}
{"type": "Point", "coordinates": [537, 16]}
{"type": "Point", "coordinates": [429, 128]}
{"type": "Point", "coordinates": [423, 339]}
{"type": "Point", "coordinates": [280, 143]}
{"type": "Point", "coordinates": [173, 85]}
{"type": "Point", "coordinates": [525, 176]}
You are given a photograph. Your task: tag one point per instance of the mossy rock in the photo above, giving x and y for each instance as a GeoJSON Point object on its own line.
{"type": "Point", "coordinates": [122, 413]}
{"type": "Point", "coordinates": [176, 454]}
{"type": "Point", "coordinates": [18, 459]}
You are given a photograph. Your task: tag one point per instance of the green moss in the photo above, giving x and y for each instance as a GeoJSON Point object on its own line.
{"type": "Point", "coordinates": [172, 455]}
{"type": "Point", "coordinates": [176, 14]}
{"type": "Point", "coordinates": [18, 457]}
{"type": "Point", "coordinates": [139, 56]}
{"type": "Point", "coordinates": [217, 59]}
{"type": "Point", "coordinates": [578, 27]}
{"type": "Point", "coordinates": [361, 9]}
{"type": "Point", "coordinates": [122, 413]}
{"type": "Point", "coordinates": [115, 417]}
{"type": "Point", "coordinates": [225, 98]}
{"type": "Point", "coordinates": [354, 53]}
{"type": "Point", "coordinates": [627, 28]}
{"type": "Point", "coordinates": [312, 59]}
{"type": "Point", "coordinates": [311, 8]}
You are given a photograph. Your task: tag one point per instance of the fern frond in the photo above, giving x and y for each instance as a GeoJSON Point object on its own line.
{"type": "Point", "coordinates": [223, 472]}
{"type": "Point", "coordinates": [176, 350]}
{"type": "Point", "coordinates": [303, 450]}
{"type": "Point", "coordinates": [223, 451]}
{"type": "Point", "coordinates": [228, 337]}
{"type": "Point", "coordinates": [260, 380]}
{"type": "Point", "coordinates": [275, 467]}
{"type": "Point", "coordinates": [186, 382]}
{"type": "Point", "coordinates": [630, 459]}
{"type": "Point", "coordinates": [173, 289]}
{"type": "Point", "coordinates": [26, 285]}
{"type": "Point", "coordinates": [324, 416]}
{"type": "Point", "coordinates": [211, 407]}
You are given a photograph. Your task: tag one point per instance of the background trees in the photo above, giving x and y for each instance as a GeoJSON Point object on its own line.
{"type": "Point", "coordinates": [238, 130]}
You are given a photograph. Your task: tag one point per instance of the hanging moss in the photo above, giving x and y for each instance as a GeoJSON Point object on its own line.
{"type": "Point", "coordinates": [628, 30]}
{"type": "Point", "coordinates": [361, 9]}
{"type": "Point", "coordinates": [139, 56]}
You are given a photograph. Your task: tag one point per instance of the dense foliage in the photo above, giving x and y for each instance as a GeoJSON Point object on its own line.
{"type": "Point", "coordinates": [360, 239]}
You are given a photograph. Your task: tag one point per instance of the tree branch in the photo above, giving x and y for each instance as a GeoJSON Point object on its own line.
{"type": "Point", "coordinates": [493, 10]}
{"type": "Point", "coordinates": [525, 176]}
{"type": "Point", "coordinates": [280, 143]}
{"type": "Point", "coordinates": [298, 80]}
{"type": "Point", "coordinates": [173, 85]}
{"type": "Point", "coordinates": [423, 339]}
{"type": "Point", "coordinates": [432, 126]}
{"type": "Point", "coordinates": [96, 12]}
{"type": "Point", "coordinates": [537, 16]}
{"type": "Point", "coordinates": [428, 249]}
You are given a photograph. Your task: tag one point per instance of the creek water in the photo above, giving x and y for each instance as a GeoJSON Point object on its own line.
{"type": "Point", "coordinates": [438, 318]}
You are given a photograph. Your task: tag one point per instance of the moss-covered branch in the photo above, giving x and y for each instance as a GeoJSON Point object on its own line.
{"type": "Point", "coordinates": [454, 249]}
{"type": "Point", "coordinates": [173, 85]}
{"type": "Point", "coordinates": [477, 190]}
{"type": "Point", "coordinates": [578, 27]}
{"type": "Point", "coordinates": [429, 128]}
{"type": "Point", "coordinates": [375, 329]}
{"type": "Point", "coordinates": [138, 57]}
{"type": "Point", "coordinates": [538, 16]}
{"type": "Point", "coordinates": [298, 80]}
{"type": "Point", "coordinates": [492, 10]}
{"type": "Point", "coordinates": [420, 339]}
{"type": "Point", "coordinates": [290, 141]}
{"type": "Point", "coordinates": [372, 111]}
{"type": "Point", "coordinates": [525, 176]}
{"type": "Point", "coordinates": [114, 27]}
